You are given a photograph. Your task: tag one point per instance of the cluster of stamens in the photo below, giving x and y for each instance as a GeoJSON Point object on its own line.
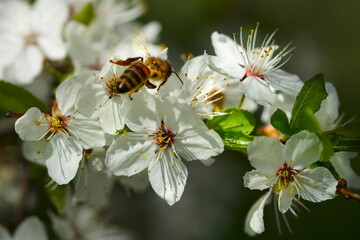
{"type": "Point", "coordinates": [285, 175]}
{"type": "Point", "coordinates": [112, 86]}
{"type": "Point", "coordinates": [261, 60]}
{"type": "Point", "coordinates": [164, 137]}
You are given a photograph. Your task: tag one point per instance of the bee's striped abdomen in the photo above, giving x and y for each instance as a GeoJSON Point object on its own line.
{"type": "Point", "coordinates": [133, 77]}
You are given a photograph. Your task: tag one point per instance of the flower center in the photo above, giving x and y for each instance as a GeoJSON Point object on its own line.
{"type": "Point", "coordinates": [285, 175]}
{"type": "Point", "coordinates": [250, 73]}
{"type": "Point", "coordinates": [112, 87]}
{"type": "Point", "coordinates": [31, 38]}
{"type": "Point", "coordinates": [57, 123]}
{"type": "Point", "coordinates": [164, 137]}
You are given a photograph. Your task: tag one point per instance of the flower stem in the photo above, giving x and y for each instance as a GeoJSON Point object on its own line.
{"type": "Point", "coordinates": [241, 101]}
{"type": "Point", "coordinates": [341, 189]}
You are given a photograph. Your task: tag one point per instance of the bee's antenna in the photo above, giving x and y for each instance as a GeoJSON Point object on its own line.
{"type": "Point", "coordinates": [178, 77]}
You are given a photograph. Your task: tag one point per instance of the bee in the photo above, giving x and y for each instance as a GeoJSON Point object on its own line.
{"type": "Point", "coordinates": [139, 72]}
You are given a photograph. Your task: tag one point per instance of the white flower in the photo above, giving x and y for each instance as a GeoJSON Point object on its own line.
{"type": "Point", "coordinates": [30, 229]}
{"type": "Point", "coordinates": [58, 139]}
{"type": "Point", "coordinates": [328, 117]}
{"type": "Point", "coordinates": [286, 168]}
{"type": "Point", "coordinates": [256, 67]}
{"type": "Point", "coordinates": [204, 89]}
{"type": "Point", "coordinates": [165, 134]}
{"type": "Point", "coordinates": [101, 97]}
{"type": "Point", "coordinates": [94, 182]}
{"type": "Point", "coordinates": [83, 222]}
{"type": "Point", "coordinates": [28, 34]}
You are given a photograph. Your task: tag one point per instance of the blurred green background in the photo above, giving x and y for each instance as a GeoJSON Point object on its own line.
{"type": "Point", "coordinates": [215, 202]}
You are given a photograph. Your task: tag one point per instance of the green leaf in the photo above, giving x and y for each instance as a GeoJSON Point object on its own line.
{"type": "Point", "coordinates": [308, 121]}
{"type": "Point", "coordinates": [58, 197]}
{"type": "Point", "coordinates": [280, 121]}
{"type": "Point", "coordinates": [345, 138]}
{"type": "Point", "coordinates": [310, 96]}
{"type": "Point", "coordinates": [16, 99]}
{"type": "Point", "coordinates": [86, 15]}
{"type": "Point", "coordinates": [237, 142]}
{"type": "Point", "coordinates": [234, 128]}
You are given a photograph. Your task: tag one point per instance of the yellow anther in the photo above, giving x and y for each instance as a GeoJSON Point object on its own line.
{"type": "Point", "coordinates": [315, 182]}
{"type": "Point", "coordinates": [140, 151]}
{"type": "Point", "coordinates": [172, 166]}
{"type": "Point", "coordinates": [145, 156]}
{"type": "Point", "coordinates": [302, 189]}
{"type": "Point", "coordinates": [126, 137]}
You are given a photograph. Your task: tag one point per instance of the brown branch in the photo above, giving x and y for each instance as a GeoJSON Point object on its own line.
{"type": "Point", "coordinates": [341, 189]}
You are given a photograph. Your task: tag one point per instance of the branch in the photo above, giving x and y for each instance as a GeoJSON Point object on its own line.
{"type": "Point", "coordinates": [341, 189]}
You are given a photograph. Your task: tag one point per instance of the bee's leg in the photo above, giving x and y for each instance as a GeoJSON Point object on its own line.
{"type": "Point", "coordinates": [165, 80]}
{"type": "Point", "coordinates": [127, 61]}
{"type": "Point", "coordinates": [130, 95]}
{"type": "Point", "coordinates": [150, 85]}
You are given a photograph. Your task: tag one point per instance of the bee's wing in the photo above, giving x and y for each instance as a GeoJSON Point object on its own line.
{"type": "Point", "coordinates": [139, 42]}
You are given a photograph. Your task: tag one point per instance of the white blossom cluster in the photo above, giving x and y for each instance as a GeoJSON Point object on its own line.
{"type": "Point", "coordinates": [126, 115]}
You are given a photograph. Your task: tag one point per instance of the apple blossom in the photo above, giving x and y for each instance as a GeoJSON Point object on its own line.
{"type": "Point", "coordinates": [165, 133]}
{"type": "Point", "coordinates": [58, 139]}
{"type": "Point", "coordinates": [256, 67]}
{"type": "Point", "coordinates": [28, 34]}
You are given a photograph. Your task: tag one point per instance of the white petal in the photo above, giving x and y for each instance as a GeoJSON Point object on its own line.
{"type": "Point", "coordinates": [53, 47]}
{"type": "Point", "coordinates": [266, 154]}
{"type": "Point", "coordinates": [88, 130]}
{"type": "Point", "coordinates": [64, 158]}
{"type": "Point", "coordinates": [168, 177]}
{"type": "Point", "coordinates": [67, 91]}
{"type": "Point", "coordinates": [112, 115]}
{"type": "Point", "coordinates": [35, 151]}
{"type": "Point", "coordinates": [4, 234]}
{"type": "Point", "coordinates": [286, 82]}
{"type": "Point", "coordinates": [62, 227]}
{"type": "Point", "coordinates": [198, 143]}
{"type": "Point", "coordinates": [341, 163]}
{"type": "Point", "coordinates": [226, 67]}
{"type": "Point", "coordinates": [90, 97]}
{"type": "Point", "coordinates": [152, 31]}
{"type": "Point", "coordinates": [44, 12]}
{"type": "Point", "coordinates": [208, 162]}
{"type": "Point", "coordinates": [163, 54]}
{"type": "Point", "coordinates": [27, 65]}
{"type": "Point", "coordinates": [93, 183]}
{"type": "Point", "coordinates": [226, 48]}
{"type": "Point", "coordinates": [285, 199]}
{"type": "Point", "coordinates": [318, 184]}
{"type": "Point", "coordinates": [258, 180]}
{"type": "Point", "coordinates": [32, 125]}
{"type": "Point", "coordinates": [137, 183]}
{"type": "Point", "coordinates": [129, 154]}
{"type": "Point", "coordinates": [303, 149]}
{"type": "Point", "coordinates": [329, 109]}
{"type": "Point", "coordinates": [254, 222]}
{"type": "Point", "coordinates": [79, 41]}
{"type": "Point", "coordinates": [145, 115]}
{"type": "Point", "coordinates": [11, 46]}
{"type": "Point", "coordinates": [194, 66]}
{"type": "Point", "coordinates": [258, 90]}
{"type": "Point", "coordinates": [31, 228]}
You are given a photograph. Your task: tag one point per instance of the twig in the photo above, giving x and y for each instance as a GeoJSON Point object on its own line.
{"type": "Point", "coordinates": [341, 189]}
